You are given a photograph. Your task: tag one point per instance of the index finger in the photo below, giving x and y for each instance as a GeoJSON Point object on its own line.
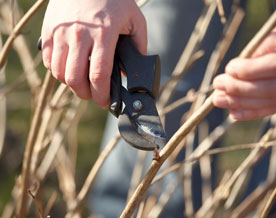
{"type": "Point", "coordinates": [262, 67]}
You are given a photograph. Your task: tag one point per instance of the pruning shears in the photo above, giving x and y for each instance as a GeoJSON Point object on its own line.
{"type": "Point", "coordinates": [139, 123]}
{"type": "Point", "coordinates": [134, 105]}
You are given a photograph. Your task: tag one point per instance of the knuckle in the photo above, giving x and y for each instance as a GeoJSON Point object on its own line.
{"type": "Point", "coordinates": [72, 82]}
{"type": "Point", "coordinates": [98, 77]}
{"type": "Point", "coordinates": [58, 75]}
{"type": "Point", "coordinates": [84, 96]}
{"type": "Point", "coordinates": [47, 64]}
{"type": "Point", "coordinates": [78, 31]}
{"type": "Point", "coordinates": [103, 33]}
{"type": "Point", "coordinates": [60, 32]}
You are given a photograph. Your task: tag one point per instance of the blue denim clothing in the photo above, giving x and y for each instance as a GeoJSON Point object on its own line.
{"type": "Point", "coordinates": [170, 24]}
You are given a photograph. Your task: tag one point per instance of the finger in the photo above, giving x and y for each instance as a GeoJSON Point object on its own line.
{"type": "Point", "coordinates": [262, 67]}
{"type": "Point", "coordinates": [139, 33]}
{"type": "Point", "coordinates": [100, 70]}
{"type": "Point", "coordinates": [77, 70]}
{"type": "Point", "coordinates": [267, 46]}
{"type": "Point", "coordinates": [243, 115]}
{"type": "Point", "coordinates": [47, 49]}
{"type": "Point", "coordinates": [222, 100]}
{"type": "Point", "coordinates": [59, 57]}
{"type": "Point", "coordinates": [242, 88]}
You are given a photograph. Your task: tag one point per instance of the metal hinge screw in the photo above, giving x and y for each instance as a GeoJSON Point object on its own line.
{"type": "Point", "coordinates": [137, 105]}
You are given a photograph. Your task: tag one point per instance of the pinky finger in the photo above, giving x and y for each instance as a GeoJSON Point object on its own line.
{"type": "Point", "coordinates": [254, 114]}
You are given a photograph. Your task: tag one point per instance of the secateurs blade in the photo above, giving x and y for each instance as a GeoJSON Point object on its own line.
{"type": "Point", "coordinates": [134, 104]}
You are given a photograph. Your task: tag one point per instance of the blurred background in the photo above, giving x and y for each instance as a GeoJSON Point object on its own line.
{"type": "Point", "coordinates": [90, 131]}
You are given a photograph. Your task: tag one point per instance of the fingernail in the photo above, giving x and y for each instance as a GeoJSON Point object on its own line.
{"type": "Point", "coordinates": [236, 115]}
{"type": "Point", "coordinates": [220, 101]}
{"type": "Point", "coordinates": [218, 83]}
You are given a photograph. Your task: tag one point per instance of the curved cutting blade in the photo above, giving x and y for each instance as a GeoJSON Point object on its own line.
{"type": "Point", "coordinates": [141, 128]}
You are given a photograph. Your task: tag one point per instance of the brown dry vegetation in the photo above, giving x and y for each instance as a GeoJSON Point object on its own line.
{"type": "Point", "coordinates": [44, 130]}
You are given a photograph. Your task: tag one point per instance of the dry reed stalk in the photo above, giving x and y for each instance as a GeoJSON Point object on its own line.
{"type": "Point", "coordinates": [190, 97]}
{"type": "Point", "coordinates": [236, 191]}
{"type": "Point", "coordinates": [164, 154]}
{"type": "Point", "coordinates": [23, 52]}
{"type": "Point", "coordinates": [221, 11]}
{"type": "Point", "coordinates": [141, 210]}
{"type": "Point", "coordinates": [250, 203]}
{"type": "Point", "coordinates": [215, 151]}
{"type": "Point", "coordinates": [72, 136]}
{"type": "Point", "coordinates": [206, 173]}
{"type": "Point", "coordinates": [137, 172]}
{"type": "Point", "coordinates": [50, 204]}
{"type": "Point", "coordinates": [167, 171]}
{"type": "Point", "coordinates": [211, 205]}
{"type": "Point", "coordinates": [163, 200]}
{"type": "Point", "coordinates": [195, 39]}
{"type": "Point", "coordinates": [269, 204]}
{"type": "Point", "coordinates": [205, 163]}
{"type": "Point", "coordinates": [65, 177]}
{"type": "Point", "coordinates": [3, 110]}
{"type": "Point", "coordinates": [218, 54]}
{"type": "Point", "coordinates": [37, 205]}
{"type": "Point", "coordinates": [49, 123]}
{"type": "Point", "coordinates": [194, 58]}
{"type": "Point", "coordinates": [7, 89]}
{"type": "Point", "coordinates": [188, 126]}
{"type": "Point", "coordinates": [92, 175]}
{"type": "Point", "coordinates": [272, 165]}
{"type": "Point", "coordinates": [22, 202]}
{"type": "Point", "coordinates": [216, 58]}
{"type": "Point", "coordinates": [187, 178]}
{"type": "Point", "coordinates": [17, 29]}
{"type": "Point", "coordinates": [58, 139]}
{"type": "Point", "coordinates": [209, 141]}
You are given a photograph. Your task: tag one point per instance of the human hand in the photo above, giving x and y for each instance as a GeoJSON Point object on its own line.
{"type": "Point", "coordinates": [248, 87]}
{"type": "Point", "coordinates": [75, 31]}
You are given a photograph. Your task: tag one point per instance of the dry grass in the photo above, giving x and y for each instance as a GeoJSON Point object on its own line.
{"type": "Point", "coordinates": [56, 112]}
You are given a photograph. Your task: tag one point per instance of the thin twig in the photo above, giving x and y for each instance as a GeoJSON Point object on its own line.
{"type": "Point", "coordinates": [66, 177]}
{"type": "Point", "coordinates": [48, 83]}
{"type": "Point", "coordinates": [218, 54]}
{"type": "Point", "coordinates": [57, 139]}
{"type": "Point", "coordinates": [93, 173]}
{"type": "Point", "coordinates": [50, 116]}
{"type": "Point", "coordinates": [259, 37]}
{"type": "Point", "coordinates": [137, 172]}
{"type": "Point", "coordinates": [24, 53]}
{"type": "Point", "coordinates": [50, 204]}
{"type": "Point", "coordinates": [3, 109]}
{"type": "Point", "coordinates": [190, 97]}
{"type": "Point", "coordinates": [166, 172]}
{"type": "Point", "coordinates": [185, 129]}
{"type": "Point", "coordinates": [221, 12]}
{"type": "Point", "coordinates": [164, 154]}
{"type": "Point", "coordinates": [17, 29]}
{"type": "Point", "coordinates": [210, 206]}
{"type": "Point", "coordinates": [39, 210]}
{"type": "Point", "coordinates": [250, 203]}
{"type": "Point", "coordinates": [195, 39]}
{"type": "Point", "coordinates": [269, 204]}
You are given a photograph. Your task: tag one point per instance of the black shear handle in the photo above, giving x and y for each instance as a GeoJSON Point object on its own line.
{"type": "Point", "coordinates": [143, 73]}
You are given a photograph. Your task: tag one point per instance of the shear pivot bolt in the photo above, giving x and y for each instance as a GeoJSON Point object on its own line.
{"type": "Point", "coordinates": [137, 105]}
